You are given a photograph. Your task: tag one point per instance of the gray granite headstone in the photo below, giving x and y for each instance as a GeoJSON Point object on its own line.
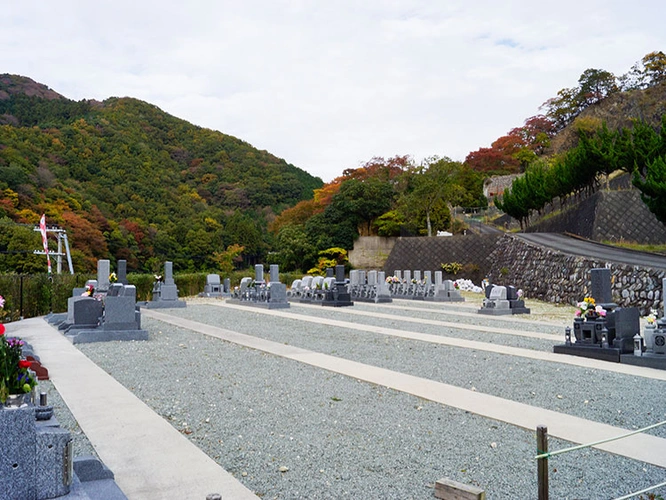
{"type": "Point", "coordinates": [417, 275]}
{"type": "Point", "coordinates": [103, 271]}
{"type": "Point", "coordinates": [398, 274]}
{"type": "Point", "coordinates": [427, 278]}
{"type": "Point", "coordinates": [168, 273]}
{"type": "Point", "coordinates": [372, 278]}
{"type": "Point", "coordinates": [329, 272]}
{"type": "Point", "coordinates": [339, 273]}
{"type": "Point", "coordinates": [407, 275]}
{"type": "Point", "coordinates": [259, 273]}
{"type": "Point", "coordinates": [601, 285]}
{"type": "Point", "coordinates": [438, 278]}
{"type": "Point", "coordinates": [274, 271]}
{"type": "Point", "coordinates": [122, 272]}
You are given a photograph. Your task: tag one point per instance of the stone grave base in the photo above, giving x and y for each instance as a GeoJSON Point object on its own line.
{"type": "Point", "coordinates": [649, 360]}
{"type": "Point", "coordinates": [261, 305]}
{"type": "Point", "coordinates": [375, 300]}
{"type": "Point", "coordinates": [162, 304]}
{"type": "Point", "coordinates": [445, 299]}
{"type": "Point", "coordinates": [93, 480]}
{"type": "Point", "coordinates": [336, 303]}
{"type": "Point", "coordinates": [592, 351]}
{"type": "Point", "coordinates": [55, 319]}
{"type": "Point", "coordinates": [100, 335]}
{"type": "Point", "coordinates": [491, 311]}
{"type": "Point", "coordinates": [520, 310]}
{"type": "Point", "coordinates": [211, 295]}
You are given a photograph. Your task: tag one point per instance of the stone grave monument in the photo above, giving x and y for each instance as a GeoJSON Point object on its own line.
{"type": "Point", "coordinates": [501, 300]}
{"type": "Point", "coordinates": [122, 272]}
{"type": "Point", "coordinates": [36, 459]}
{"type": "Point", "coordinates": [214, 287]}
{"type": "Point", "coordinates": [444, 290]}
{"type": "Point", "coordinates": [650, 349]}
{"type": "Point", "coordinates": [165, 292]}
{"type": "Point", "coordinates": [604, 331]}
{"type": "Point", "coordinates": [120, 320]}
{"type": "Point", "coordinates": [338, 295]}
{"type": "Point", "coordinates": [258, 293]}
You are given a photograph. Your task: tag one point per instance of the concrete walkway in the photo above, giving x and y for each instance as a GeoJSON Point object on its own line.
{"type": "Point", "coordinates": [150, 459]}
{"type": "Point", "coordinates": [638, 371]}
{"type": "Point", "coordinates": [643, 447]}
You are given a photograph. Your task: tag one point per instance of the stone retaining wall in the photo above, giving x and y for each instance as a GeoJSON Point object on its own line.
{"type": "Point", "coordinates": [552, 276]}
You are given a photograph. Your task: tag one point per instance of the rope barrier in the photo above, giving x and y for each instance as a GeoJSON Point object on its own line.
{"type": "Point", "coordinates": [581, 446]}
{"type": "Point", "coordinates": [642, 491]}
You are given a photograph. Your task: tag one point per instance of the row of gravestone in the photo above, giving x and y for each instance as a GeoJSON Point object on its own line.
{"type": "Point", "coordinates": [104, 311]}
{"type": "Point", "coordinates": [327, 291]}
{"type": "Point", "coordinates": [405, 285]}
{"type": "Point", "coordinates": [261, 293]}
{"type": "Point", "coordinates": [613, 333]}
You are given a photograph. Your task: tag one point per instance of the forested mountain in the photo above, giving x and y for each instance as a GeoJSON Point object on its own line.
{"type": "Point", "coordinates": [128, 180]}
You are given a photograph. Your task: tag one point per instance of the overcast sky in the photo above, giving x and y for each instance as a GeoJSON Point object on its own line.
{"type": "Point", "coordinates": [327, 85]}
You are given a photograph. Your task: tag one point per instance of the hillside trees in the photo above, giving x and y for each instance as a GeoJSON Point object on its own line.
{"type": "Point", "coordinates": [640, 150]}
{"type": "Point", "coordinates": [129, 181]}
{"type": "Point", "coordinates": [513, 152]}
{"type": "Point", "coordinates": [385, 197]}
{"type": "Point", "coordinates": [595, 85]}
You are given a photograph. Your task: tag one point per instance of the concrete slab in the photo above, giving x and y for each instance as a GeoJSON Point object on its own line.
{"type": "Point", "coordinates": [150, 459]}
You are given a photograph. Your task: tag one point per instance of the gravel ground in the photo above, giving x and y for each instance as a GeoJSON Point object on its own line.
{"type": "Point", "coordinates": [289, 430]}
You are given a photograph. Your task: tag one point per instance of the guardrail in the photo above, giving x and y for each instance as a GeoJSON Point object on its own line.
{"type": "Point", "coordinates": [543, 455]}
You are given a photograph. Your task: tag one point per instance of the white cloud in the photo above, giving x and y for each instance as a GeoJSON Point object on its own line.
{"type": "Point", "coordinates": [328, 86]}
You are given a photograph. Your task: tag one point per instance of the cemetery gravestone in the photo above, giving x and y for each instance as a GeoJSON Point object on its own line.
{"type": "Point", "coordinates": [338, 296]}
{"type": "Point", "coordinates": [165, 293]}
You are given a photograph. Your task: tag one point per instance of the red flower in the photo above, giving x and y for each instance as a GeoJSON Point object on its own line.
{"type": "Point", "coordinates": [2, 329]}
{"type": "Point", "coordinates": [24, 363]}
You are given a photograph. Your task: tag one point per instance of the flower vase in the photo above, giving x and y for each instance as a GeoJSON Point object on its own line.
{"type": "Point", "coordinates": [648, 335]}
{"type": "Point", "coordinates": [16, 401]}
{"type": "Point", "coordinates": [578, 322]}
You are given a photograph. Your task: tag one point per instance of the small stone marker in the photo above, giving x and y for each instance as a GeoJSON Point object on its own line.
{"type": "Point", "coordinates": [447, 489]}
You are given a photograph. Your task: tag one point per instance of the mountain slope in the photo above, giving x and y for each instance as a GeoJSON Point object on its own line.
{"type": "Point", "coordinates": [134, 182]}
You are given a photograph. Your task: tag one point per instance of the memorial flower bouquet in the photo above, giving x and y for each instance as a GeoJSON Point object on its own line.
{"type": "Point", "coordinates": [113, 278]}
{"type": "Point", "coordinates": [589, 309]}
{"type": "Point", "coordinates": [652, 317]}
{"type": "Point", "coordinates": [89, 291]}
{"type": "Point", "coordinates": [14, 375]}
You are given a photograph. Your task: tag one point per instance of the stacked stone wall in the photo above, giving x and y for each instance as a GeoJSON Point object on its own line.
{"type": "Point", "coordinates": [555, 277]}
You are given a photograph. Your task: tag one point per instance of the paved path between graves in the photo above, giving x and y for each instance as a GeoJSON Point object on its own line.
{"type": "Point", "coordinates": [460, 326]}
{"type": "Point", "coordinates": [644, 447]}
{"type": "Point", "coordinates": [450, 309]}
{"type": "Point", "coordinates": [626, 369]}
{"type": "Point", "coordinates": [150, 459]}
{"type": "Point", "coordinates": [594, 250]}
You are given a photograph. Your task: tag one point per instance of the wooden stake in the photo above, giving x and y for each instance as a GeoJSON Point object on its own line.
{"type": "Point", "coordinates": [542, 463]}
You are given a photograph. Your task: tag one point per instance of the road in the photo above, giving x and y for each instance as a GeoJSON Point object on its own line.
{"type": "Point", "coordinates": [585, 248]}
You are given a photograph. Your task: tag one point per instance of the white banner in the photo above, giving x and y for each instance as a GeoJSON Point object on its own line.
{"type": "Point", "coordinates": [42, 229]}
